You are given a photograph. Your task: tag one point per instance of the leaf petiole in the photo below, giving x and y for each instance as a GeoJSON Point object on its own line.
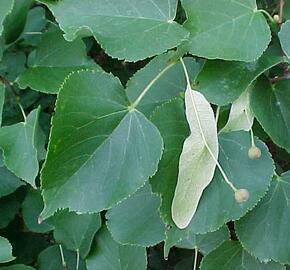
{"type": "Point", "coordinates": [62, 258]}
{"type": "Point", "coordinates": [267, 15]}
{"type": "Point", "coordinates": [217, 114]}
{"type": "Point", "coordinates": [78, 260]}
{"type": "Point", "coordinates": [195, 258]}
{"type": "Point", "coordinates": [22, 111]}
{"type": "Point", "coordinates": [251, 130]}
{"type": "Point", "coordinates": [146, 89]}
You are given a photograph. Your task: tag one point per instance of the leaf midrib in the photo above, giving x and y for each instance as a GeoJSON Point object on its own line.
{"type": "Point", "coordinates": [129, 109]}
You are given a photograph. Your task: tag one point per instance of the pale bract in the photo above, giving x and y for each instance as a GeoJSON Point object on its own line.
{"type": "Point", "coordinates": [198, 158]}
{"type": "Point", "coordinates": [241, 116]}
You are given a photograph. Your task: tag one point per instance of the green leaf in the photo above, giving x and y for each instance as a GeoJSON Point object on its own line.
{"type": "Point", "coordinates": [19, 145]}
{"type": "Point", "coordinates": [229, 30]}
{"type": "Point", "coordinates": [35, 23]}
{"type": "Point", "coordinates": [2, 100]}
{"type": "Point", "coordinates": [136, 220]}
{"type": "Point", "coordinates": [58, 58]}
{"type": "Point", "coordinates": [12, 64]}
{"type": "Point", "coordinates": [170, 120]}
{"type": "Point", "coordinates": [50, 259]}
{"type": "Point", "coordinates": [5, 251]}
{"type": "Point", "coordinates": [6, 8]}
{"type": "Point", "coordinates": [241, 116]}
{"type": "Point", "coordinates": [31, 209]}
{"type": "Point", "coordinates": [185, 239]}
{"type": "Point", "coordinates": [17, 267]}
{"type": "Point", "coordinates": [286, 13]}
{"type": "Point", "coordinates": [270, 104]}
{"type": "Point", "coordinates": [268, 222]}
{"type": "Point", "coordinates": [15, 21]}
{"type": "Point", "coordinates": [198, 158]}
{"type": "Point", "coordinates": [9, 182]}
{"type": "Point", "coordinates": [231, 256]}
{"type": "Point", "coordinates": [222, 82]}
{"type": "Point", "coordinates": [1, 47]}
{"type": "Point", "coordinates": [218, 205]}
{"type": "Point", "coordinates": [75, 231]}
{"type": "Point", "coordinates": [108, 254]}
{"type": "Point", "coordinates": [170, 83]}
{"type": "Point", "coordinates": [9, 206]}
{"type": "Point", "coordinates": [284, 36]}
{"type": "Point", "coordinates": [102, 134]}
{"type": "Point", "coordinates": [122, 28]}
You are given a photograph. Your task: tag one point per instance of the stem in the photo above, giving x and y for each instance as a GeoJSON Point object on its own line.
{"type": "Point", "coordinates": [22, 111]}
{"type": "Point", "coordinates": [62, 257]}
{"type": "Point", "coordinates": [267, 15]}
{"type": "Point", "coordinates": [202, 134]}
{"type": "Point", "coordinates": [217, 114]}
{"type": "Point", "coordinates": [146, 89]}
{"type": "Point", "coordinates": [251, 130]}
{"type": "Point", "coordinates": [78, 259]}
{"type": "Point", "coordinates": [252, 138]}
{"type": "Point", "coordinates": [185, 72]}
{"type": "Point", "coordinates": [195, 258]}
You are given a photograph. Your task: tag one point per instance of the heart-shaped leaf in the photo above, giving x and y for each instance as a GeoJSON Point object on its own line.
{"type": "Point", "coordinates": [268, 222]}
{"type": "Point", "coordinates": [20, 144]}
{"type": "Point", "coordinates": [108, 254]}
{"type": "Point", "coordinates": [270, 104]}
{"type": "Point", "coordinates": [230, 30]}
{"type": "Point", "coordinates": [231, 256]}
{"type": "Point", "coordinates": [103, 152]}
{"type": "Point", "coordinates": [50, 259]}
{"type": "Point", "coordinates": [74, 231]}
{"type": "Point", "coordinates": [136, 220]}
{"type": "Point", "coordinates": [52, 62]}
{"type": "Point", "coordinates": [142, 21]}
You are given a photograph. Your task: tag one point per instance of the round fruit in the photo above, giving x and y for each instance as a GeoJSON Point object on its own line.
{"type": "Point", "coordinates": [242, 195]}
{"type": "Point", "coordinates": [276, 18]}
{"type": "Point", "coordinates": [254, 152]}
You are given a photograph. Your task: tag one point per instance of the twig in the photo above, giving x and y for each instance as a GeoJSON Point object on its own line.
{"type": "Point", "coordinates": [281, 7]}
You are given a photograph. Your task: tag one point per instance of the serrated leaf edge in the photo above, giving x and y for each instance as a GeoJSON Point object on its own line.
{"type": "Point", "coordinates": [132, 60]}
